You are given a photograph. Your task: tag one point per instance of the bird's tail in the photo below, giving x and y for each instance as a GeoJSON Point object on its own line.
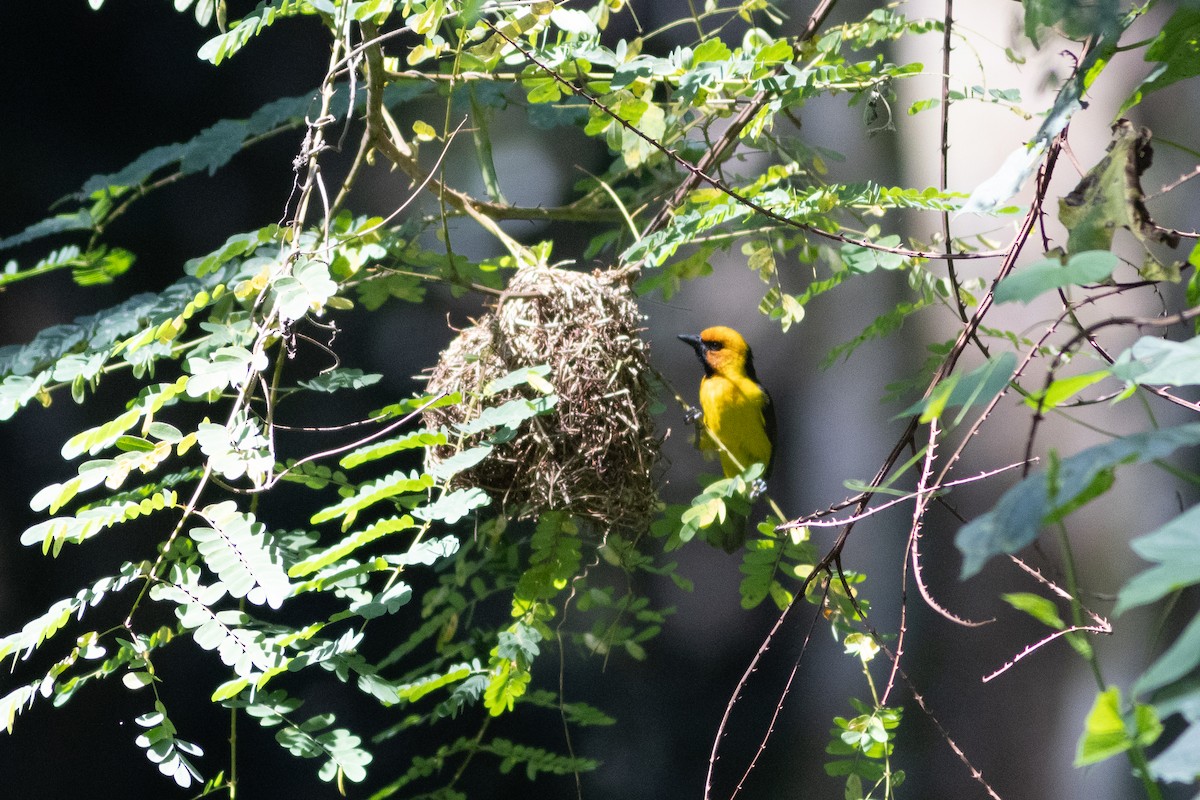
{"type": "Point", "coordinates": [731, 534]}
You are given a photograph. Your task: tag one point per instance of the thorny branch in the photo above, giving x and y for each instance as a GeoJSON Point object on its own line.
{"type": "Point", "coordinates": [1087, 334]}
{"type": "Point", "coordinates": [816, 520]}
{"type": "Point", "coordinates": [914, 536]}
{"type": "Point", "coordinates": [832, 559]}
{"type": "Point", "coordinates": [927, 488]}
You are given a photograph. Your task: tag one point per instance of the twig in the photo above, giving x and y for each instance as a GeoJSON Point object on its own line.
{"type": "Point", "coordinates": [715, 153]}
{"type": "Point", "coordinates": [751, 668]}
{"type": "Point", "coordinates": [815, 521]}
{"type": "Point", "coordinates": [387, 139]}
{"type": "Point", "coordinates": [914, 538]}
{"type": "Point", "coordinates": [343, 448]}
{"type": "Point", "coordinates": [1037, 575]}
{"type": "Point", "coordinates": [944, 148]}
{"type": "Point", "coordinates": [1175, 184]}
{"type": "Point", "coordinates": [976, 774]}
{"type": "Point", "coordinates": [1105, 629]}
{"type": "Point", "coordinates": [950, 361]}
{"type": "Point", "coordinates": [762, 745]}
{"type": "Point", "coordinates": [1086, 334]}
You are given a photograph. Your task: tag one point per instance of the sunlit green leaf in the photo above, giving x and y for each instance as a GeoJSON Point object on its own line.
{"type": "Point", "coordinates": [1063, 389]}
{"type": "Point", "coordinates": [1040, 608]}
{"type": "Point", "coordinates": [1104, 733]}
{"type": "Point", "coordinates": [978, 387]}
{"type": "Point", "coordinates": [1175, 52]}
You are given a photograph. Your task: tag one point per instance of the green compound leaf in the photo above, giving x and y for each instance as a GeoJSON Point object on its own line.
{"type": "Point", "coordinates": [1014, 522]}
{"type": "Point", "coordinates": [978, 387]}
{"type": "Point", "coordinates": [396, 483]}
{"type": "Point", "coordinates": [1176, 549]}
{"type": "Point", "coordinates": [239, 550]}
{"type": "Point", "coordinates": [452, 507]}
{"type": "Point", "coordinates": [1044, 276]}
{"type": "Point", "coordinates": [340, 378]}
{"type": "Point", "coordinates": [867, 259]}
{"type": "Point", "coordinates": [308, 288]}
{"type": "Point", "coordinates": [53, 533]}
{"type": "Point", "coordinates": [387, 447]}
{"type": "Point", "coordinates": [1036, 606]}
{"type": "Point", "coordinates": [1106, 732]}
{"type": "Point", "coordinates": [348, 545]}
{"type": "Point", "coordinates": [554, 561]}
{"type": "Point", "coordinates": [165, 749]}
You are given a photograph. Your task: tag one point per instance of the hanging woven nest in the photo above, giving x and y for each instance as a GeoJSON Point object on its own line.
{"type": "Point", "coordinates": [594, 454]}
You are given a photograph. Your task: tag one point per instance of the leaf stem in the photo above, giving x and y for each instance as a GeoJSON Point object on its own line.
{"type": "Point", "coordinates": [1136, 753]}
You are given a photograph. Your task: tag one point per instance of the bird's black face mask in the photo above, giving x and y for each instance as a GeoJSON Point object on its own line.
{"type": "Point", "coordinates": [701, 347]}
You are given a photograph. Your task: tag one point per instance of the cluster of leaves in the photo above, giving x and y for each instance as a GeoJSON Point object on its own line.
{"type": "Point", "coordinates": [863, 745]}
{"type": "Point", "coordinates": [213, 356]}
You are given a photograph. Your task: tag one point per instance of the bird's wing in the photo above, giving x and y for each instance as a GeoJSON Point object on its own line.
{"type": "Point", "coordinates": [768, 412]}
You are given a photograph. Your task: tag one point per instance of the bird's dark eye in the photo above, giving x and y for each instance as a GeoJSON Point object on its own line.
{"type": "Point", "coordinates": [713, 345]}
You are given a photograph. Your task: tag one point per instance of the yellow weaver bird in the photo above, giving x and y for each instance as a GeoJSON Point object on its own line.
{"type": "Point", "coordinates": [735, 409]}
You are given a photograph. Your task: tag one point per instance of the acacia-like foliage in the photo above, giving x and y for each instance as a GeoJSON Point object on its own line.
{"type": "Point", "coordinates": [706, 152]}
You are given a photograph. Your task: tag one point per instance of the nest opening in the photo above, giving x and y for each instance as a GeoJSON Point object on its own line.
{"type": "Point", "coordinates": [593, 455]}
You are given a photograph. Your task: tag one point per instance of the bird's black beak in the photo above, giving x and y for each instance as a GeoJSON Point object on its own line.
{"type": "Point", "coordinates": [697, 345]}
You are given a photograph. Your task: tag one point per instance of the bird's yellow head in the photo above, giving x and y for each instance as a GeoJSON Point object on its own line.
{"type": "Point", "coordinates": [722, 351]}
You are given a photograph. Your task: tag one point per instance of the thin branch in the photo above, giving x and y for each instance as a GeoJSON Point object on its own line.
{"type": "Point", "coordinates": [1037, 575]}
{"type": "Point", "coordinates": [1086, 334]}
{"type": "Point", "coordinates": [995, 401]}
{"type": "Point", "coordinates": [901, 635]}
{"type": "Point", "coordinates": [914, 538]}
{"type": "Point", "coordinates": [815, 521]}
{"type": "Point", "coordinates": [342, 449]}
{"type": "Point", "coordinates": [791, 679]}
{"type": "Point", "coordinates": [976, 774]}
{"type": "Point", "coordinates": [751, 668]}
{"type": "Point", "coordinates": [717, 152]}
{"type": "Point", "coordinates": [1105, 629]}
{"type": "Point", "coordinates": [944, 172]}
{"type": "Point", "coordinates": [951, 359]}
{"type": "Point", "coordinates": [387, 139]}
{"type": "Point", "coordinates": [1175, 184]}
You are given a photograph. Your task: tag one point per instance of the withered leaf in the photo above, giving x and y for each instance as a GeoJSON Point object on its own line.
{"type": "Point", "coordinates": [1110, 196]}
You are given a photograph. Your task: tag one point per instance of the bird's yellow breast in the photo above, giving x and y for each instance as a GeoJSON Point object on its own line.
{"type": "Point", "coordinates": [733, 415]}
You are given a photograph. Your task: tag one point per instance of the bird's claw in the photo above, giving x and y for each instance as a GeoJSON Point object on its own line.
{"type": "Point", "coordinates": [693, 415]}
{"type": "Point", "coordinates": [758, 488]}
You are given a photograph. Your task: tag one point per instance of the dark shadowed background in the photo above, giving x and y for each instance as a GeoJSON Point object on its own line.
{"type": "Point", "coordinates": [89, 92]}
